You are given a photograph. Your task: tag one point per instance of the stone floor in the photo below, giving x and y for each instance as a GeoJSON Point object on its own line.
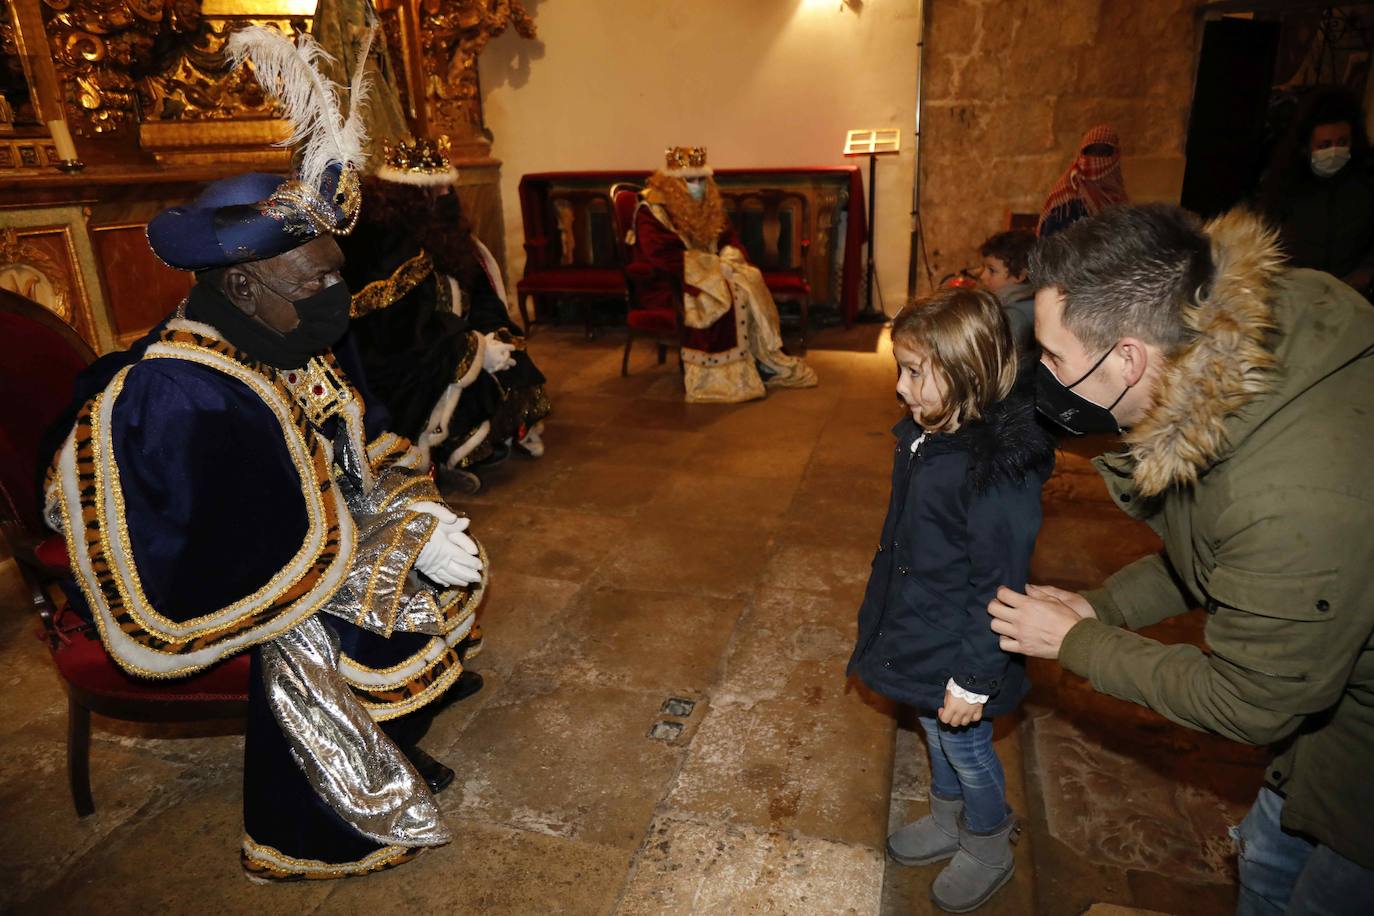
{"type": "Point", "coordinates": [663, 552]}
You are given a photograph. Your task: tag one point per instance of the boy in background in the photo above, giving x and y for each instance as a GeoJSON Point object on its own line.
{"type": "Point", "coordinates": [1005, 258]}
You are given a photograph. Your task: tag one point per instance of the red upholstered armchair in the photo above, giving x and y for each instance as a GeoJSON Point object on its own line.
{"type": "Point", "coordinates": [659, 323]}
{"type": "Point", "coordinates": [39, 358]}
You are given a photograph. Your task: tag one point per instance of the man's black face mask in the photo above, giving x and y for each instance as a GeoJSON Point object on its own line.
{"type": "Point", "coordinates": [323, 320]}
{"type": "Point", "coordinates": [1069, 409]}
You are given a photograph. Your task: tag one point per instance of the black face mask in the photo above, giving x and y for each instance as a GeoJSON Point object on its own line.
{"type": "Point", "coordinates": [323, 320]}
{"type": "Point", "coordinates": [1071, 410]}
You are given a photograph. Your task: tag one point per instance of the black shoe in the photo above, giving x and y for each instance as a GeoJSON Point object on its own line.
{"type": "Point", "coordinates": [437, 776]}
{"type": "Point", "coordinates": [468, 683]}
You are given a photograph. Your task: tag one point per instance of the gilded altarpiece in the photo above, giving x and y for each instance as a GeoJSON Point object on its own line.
{"type": "Point", "coordinates": [156, 113]}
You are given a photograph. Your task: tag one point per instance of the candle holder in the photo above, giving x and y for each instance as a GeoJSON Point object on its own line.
{"type": "Point", "coordinates": [70, 165]}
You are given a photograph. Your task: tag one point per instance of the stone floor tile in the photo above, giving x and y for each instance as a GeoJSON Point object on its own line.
{"type": "Point", "coordinates": [843, 570]}
{"type": "Point", "coordinates": [673, 416]}
{"type": "Point", "coordinates": [766, 753]}
{"type": "Point", "coordinates": [755, 457]}
{"type": "Point", "coordinates": [519, 614]}
{"type": "Point", "coordinates": [775, 764]}
{"type": "Point", "coordinates": [567, 760]}
{"type": "Point", "coordinates": [642, 447]}
{"type": "Point", "coordinates": [492, 870]}
{"type": "Point", "coordinates": [43, 837]}
{"type": "Point", "coordinates": [721, 561]}
{"type": "Point", "coordinates": [657, 641]}
{"type": "Point", "coordinates": [837, 509]}
{"type": "Point", "coordinates": [548, 543]}
{"type": "Point", "coordinates": [1117, 810]}
{"type": "Point", "coordinates": [780, 630]}
{"type": "Point", "coordinates": [519, 480]}
{"type": "Point", "coordinates": [863, 454]}
{"type": "Point", "coordinates": [695, 868]}
{"type": "Point", "coordinates": [444, 740]}
{"type": "Point", "coordinates": [911, 767]}
{"type": "Point", "coordinates": [184, 858]}
{"type": "Point", "coordinates": [1081, 549]}
{"type": "Point", "coordinates": [604, 488]}
{"type": "Point", "coordinates": [30, 689]}
{"type": "Point", "coordinates": [690, 494]}
{"type": "Point", "coordinates": [574, 409]}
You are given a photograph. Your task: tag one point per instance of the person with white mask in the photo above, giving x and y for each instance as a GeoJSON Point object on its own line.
{"type": "Point", "coordinates": [1319, 190]}
{"type": "Point", "coordinates": [729, 325]}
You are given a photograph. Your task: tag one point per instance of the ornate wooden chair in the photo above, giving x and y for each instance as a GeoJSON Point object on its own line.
{"type": "Point", "coordinates": [775, 226]}
{"type": "Point", "coordinates": [572, 255]}
{"type": "Point", "coordinates": [40, 355]}
{"type": "Point", "coordinates": [663, 325]}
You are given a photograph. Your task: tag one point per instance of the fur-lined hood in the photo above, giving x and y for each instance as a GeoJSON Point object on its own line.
{"type": "Point", "coordinates": [1006, 445]}
{"type": "Point", "coordinates": [1229, 364]}
{"type": "Point", "coordinates": [1258, 344]}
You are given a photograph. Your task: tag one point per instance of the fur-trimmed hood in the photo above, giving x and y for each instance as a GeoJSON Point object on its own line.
{"type": "Point", "coordinates": [1229, 364]}
{"type": "Point", "coordinates": [1264, 335]}
{"type": "Point", "coordinates": [1006, 445]}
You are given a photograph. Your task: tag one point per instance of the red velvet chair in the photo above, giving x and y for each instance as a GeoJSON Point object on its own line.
{"type": "Point", "coordinates": [568, 256]}
{"type": "Point", "coordinates": [40, 356]}
{"type": "Point", "coordinates": [663, 325]}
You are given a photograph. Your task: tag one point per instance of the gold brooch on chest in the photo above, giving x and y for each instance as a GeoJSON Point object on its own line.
{"type": "Point", "coordinates": [317, 388]}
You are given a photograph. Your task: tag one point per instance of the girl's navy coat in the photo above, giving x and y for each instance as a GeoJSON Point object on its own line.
{"type": "Point", "coordinates": [962, 520]}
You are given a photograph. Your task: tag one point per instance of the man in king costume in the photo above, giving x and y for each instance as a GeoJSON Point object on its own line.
{"type": "Point", "coordinates": [227, 489]}
{"type": "Point", "coordinates": [731, 334]}
{"type": "Point", "coordinates": [431, 324]}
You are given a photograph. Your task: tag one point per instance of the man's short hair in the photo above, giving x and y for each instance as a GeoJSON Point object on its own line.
{"type": "Point", "coordinates": [1127, 272]}
{"type": "Point", "coordinates": [1012, 248]}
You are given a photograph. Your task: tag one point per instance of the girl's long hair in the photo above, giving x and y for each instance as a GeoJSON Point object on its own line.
{"type": "Point", "coordinates": [965, 336]}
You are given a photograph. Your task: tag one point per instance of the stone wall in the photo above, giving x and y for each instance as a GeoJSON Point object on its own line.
{"type": "Point", "coordinates": [1012, 84]}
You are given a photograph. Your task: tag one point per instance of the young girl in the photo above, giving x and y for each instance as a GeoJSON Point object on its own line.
{"type": "Point", "coordinates": [962, 520]}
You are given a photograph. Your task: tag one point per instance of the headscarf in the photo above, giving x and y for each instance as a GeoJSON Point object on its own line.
{"type": "Point", "coordinates": [1094, 180]}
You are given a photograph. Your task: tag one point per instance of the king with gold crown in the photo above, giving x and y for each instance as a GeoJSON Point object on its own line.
{"type": "Point", "coordinates": [731, 334]}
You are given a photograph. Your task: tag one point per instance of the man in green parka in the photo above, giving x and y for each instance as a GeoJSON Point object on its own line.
{"type": "Point", "coordinates": [1245, 394]}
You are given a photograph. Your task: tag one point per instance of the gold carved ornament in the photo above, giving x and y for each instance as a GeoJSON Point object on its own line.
{"type": "Point", "coordinates": [99, 45]}
{"type": "Point", "coordinates": [125, 61]}
{"type": "Point", "coordinates": [33, 274]}
{"type": "Point", "coordinates": [452, 34]}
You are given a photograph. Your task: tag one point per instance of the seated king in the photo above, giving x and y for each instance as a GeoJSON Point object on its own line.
{"type": "Point", "coordinates": [731, 331]}
{"type": "Point", "coordinates": [225, 488]}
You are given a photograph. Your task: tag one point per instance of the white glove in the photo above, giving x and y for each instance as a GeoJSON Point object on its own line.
{"type": "Point", "coordinates": [496, 356]}
{"type": "Point", "coordinates": [449, 557]}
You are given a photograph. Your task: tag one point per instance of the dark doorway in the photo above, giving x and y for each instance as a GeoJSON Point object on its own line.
{"type": "Point", "coordinates": [1226, 130]}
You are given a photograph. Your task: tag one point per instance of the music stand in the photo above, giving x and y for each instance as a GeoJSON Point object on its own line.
{"type": "Point", "coordinates": [872, 143]}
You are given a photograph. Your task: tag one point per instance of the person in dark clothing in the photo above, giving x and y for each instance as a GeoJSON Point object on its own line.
{"type": "Point", "coordinates": [1319, 190]}
{"type": "Point", "coordinates": [964, 513]}
{"type": "Point", "coordinates": [430, 322]}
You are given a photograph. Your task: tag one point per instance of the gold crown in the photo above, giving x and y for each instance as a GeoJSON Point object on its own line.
{"type": "Point", "coordinates": [685, 157]}
{"type": "Point", "coordinates": [425, 156]}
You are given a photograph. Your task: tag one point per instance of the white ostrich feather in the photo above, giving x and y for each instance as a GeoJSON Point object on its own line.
{"type": "Point", "coordinates": [289, 72]}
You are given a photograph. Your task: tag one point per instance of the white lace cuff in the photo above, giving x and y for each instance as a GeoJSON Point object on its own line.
{"type": "Point", "coordinates": [964, 695]}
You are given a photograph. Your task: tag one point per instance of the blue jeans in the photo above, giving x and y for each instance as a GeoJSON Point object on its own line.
{"type": "Point", "coordinates": [964, 765]}
{"type": "Point", "coordinates": [1283, 874]}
